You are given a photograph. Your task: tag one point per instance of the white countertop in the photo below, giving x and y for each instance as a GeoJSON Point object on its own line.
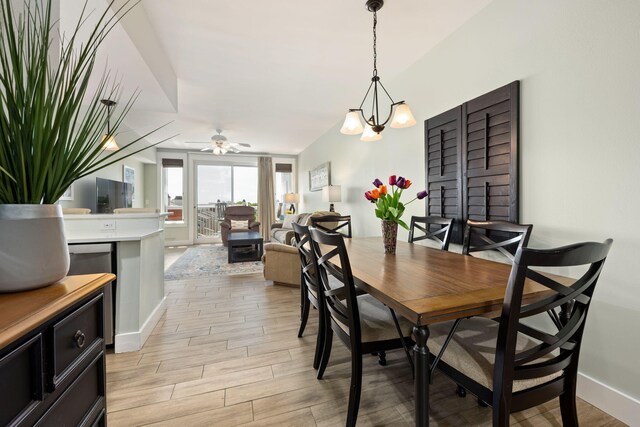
{"type": "Point", "coordinates": [115, 216]}
{"type": "Point", "coordinates": [102, 237]}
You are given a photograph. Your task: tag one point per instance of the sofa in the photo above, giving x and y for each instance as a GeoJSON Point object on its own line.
{"type": "Point", "coordinates": [238, 213]}
{"type": "Point", "coordinates": [281, 260]}
{"type": "Point", "coordinates": [283, 232]}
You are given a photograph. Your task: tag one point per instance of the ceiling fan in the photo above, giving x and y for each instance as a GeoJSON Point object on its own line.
{"type": "Point", "coordinates": [219, 144]}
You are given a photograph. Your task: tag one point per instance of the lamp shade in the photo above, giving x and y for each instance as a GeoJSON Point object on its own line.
{"type": "Point", "coordinates": [291, 198]}
{"type": "Point", "coordinates": [352, 124]}
{"type": "Point", "coordinates": [109, 143]}
{"type": "Point", "coordinates": [332, 193]}
{"type": "Point", "coordinates": [370, 135]}
{"type": "Point", "coordinates": [402, 117]}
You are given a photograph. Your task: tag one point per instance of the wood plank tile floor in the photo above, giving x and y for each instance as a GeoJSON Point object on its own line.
{"type": "Point", "coordinates": [226, 353]}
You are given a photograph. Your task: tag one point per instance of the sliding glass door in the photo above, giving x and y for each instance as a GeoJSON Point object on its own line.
{"type": "Point", "coordinates": [216, 187]}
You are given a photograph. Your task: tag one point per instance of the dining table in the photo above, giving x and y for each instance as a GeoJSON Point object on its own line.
{"type": "Point", "coordinates": [427, 286]}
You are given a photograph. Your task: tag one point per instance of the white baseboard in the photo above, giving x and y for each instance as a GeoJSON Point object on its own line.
{"type": "Point", "coordinates": [613, 402]}
{"type": "Point", "coordinates": [133, 341]}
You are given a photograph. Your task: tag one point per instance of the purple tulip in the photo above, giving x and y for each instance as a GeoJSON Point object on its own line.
{"type": "Point", "coordinates": [377, 183]}
{"type": "Point", "coordinates": [421, 195]}
{"type": "Point", "coordinates": [392, 180]}
{"type": "Point", "coordinates": [401, 182]}
{"type": "Point", "coordinates": [367, 195]}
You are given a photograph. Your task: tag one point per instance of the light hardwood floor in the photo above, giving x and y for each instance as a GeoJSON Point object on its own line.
{"type": "Point", "coordinates": [226, 353]}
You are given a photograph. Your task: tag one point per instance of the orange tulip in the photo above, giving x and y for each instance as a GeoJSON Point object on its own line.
{"type": "Point", "coordinates": [408, 184]}
{"type": "Point", "coordinates": [383, 189]}
{"type": "Point", "coordinates": [375, 193]}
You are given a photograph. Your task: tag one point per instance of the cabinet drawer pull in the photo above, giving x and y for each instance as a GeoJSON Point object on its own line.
{"type": "Point", "coordinates": [79, 339]}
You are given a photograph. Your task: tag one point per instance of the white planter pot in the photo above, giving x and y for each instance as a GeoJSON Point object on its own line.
{"type": "Point", "coordinates": [33, 248]}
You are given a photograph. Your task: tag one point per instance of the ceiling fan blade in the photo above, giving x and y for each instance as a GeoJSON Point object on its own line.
{"type": "Point", "coordinates": [233, 150]}
{"type": "Point", "coordinates": [207, 149]}
{"type": "Point", "coordinates": [243, 144]}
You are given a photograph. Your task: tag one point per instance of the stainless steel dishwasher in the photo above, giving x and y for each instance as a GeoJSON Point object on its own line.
{"type": "Point", "coordinates": [97, 258]}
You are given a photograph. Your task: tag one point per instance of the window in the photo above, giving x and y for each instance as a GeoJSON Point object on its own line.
{"type": "Point", "coordinates": [173, 189]}
{"type": "Point", "coordinates": [227, 184]}
{"type": "Point", "coordinates": [245, 185]}
{"type": "Point", "coordinates": [283, 184]}
{"type": "Point", "coordinates": [214, 184]}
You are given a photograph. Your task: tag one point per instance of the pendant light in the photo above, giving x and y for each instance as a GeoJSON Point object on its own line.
{"type": "Point", "coordinates": [399, 112]}
{"type": "Point", "coordinates": [108, 141]}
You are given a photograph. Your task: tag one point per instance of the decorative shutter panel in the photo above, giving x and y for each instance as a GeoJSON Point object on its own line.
{"type": "Point", "coordinates": [490, 155]}
{"type": "Point", "coordinates": [443, 149]}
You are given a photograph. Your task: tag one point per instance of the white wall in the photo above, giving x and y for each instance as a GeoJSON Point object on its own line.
{"type": "Point", "coordinates": [578, 63]}
{"type": "Point", "coordinates": [151, 191]}
{"type": "Point", "coordinates": [85, 188]}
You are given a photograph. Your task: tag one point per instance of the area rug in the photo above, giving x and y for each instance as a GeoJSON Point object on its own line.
{"type": "Point", "coordinates": [208, 260]}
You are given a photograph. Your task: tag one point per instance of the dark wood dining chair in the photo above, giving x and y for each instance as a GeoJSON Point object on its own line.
{"type": "Point", "coordinates": [480, 236]}
{"type": "Point", "coordinates": [501, 236]}
{"type": "Point", "coordinates": [362, 323]}
{"type": "Point", "coordinates": [512, 365]}
{"type": "Point", "coordinates": [434, 228]}
{"type": "Point", "coordinates": [333, 224]}
{"type": "Point", "coordinates": [309, 290]}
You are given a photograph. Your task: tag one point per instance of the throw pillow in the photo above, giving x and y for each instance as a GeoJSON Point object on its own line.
{"type": "Point", "coordinates": [240, 224]}
{"type": "Point", "coordinates": [289, 220]}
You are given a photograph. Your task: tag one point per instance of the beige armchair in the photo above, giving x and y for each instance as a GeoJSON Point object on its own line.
{"type": "Point", "coordinates": [238, 213]}
{"type": "Point", "coordinates": [281, 264]}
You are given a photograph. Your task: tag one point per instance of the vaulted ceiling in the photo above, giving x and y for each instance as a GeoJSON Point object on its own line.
{"type": "Point", "coordinates": [275, 74]}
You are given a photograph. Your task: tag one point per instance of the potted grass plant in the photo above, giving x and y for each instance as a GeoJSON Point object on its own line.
{"type": "Point", "coordinates": [52, 132]}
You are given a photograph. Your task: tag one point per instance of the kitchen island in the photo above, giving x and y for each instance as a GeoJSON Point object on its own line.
{"type": "Point", "coordinates": [139, 253]}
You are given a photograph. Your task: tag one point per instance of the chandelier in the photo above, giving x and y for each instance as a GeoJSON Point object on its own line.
{"type": "Point", "coordinates": [399, 112]}
{"type": "Point", "coordinates": [108, 140]}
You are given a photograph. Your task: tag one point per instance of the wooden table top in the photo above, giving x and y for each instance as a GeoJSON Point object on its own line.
{"type": "Point", "coordinates": [20, 312]}
{"type": "Point", "coordinates": [428, 285]}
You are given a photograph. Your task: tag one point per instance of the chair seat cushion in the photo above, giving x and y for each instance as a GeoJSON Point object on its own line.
{"type": "Point", "coordinates": [472, 349]}
{"type": "Point", "coordinates": [376, 322]}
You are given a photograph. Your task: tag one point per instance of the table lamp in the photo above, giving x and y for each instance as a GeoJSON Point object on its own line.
{"type": "Point", "coordinates": [292, 198]}
{"type": "Point", "coordinates": [331, 194]}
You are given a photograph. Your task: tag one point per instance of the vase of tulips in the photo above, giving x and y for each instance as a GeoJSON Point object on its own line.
{"type": "Point", "coordinates": [389, 208]}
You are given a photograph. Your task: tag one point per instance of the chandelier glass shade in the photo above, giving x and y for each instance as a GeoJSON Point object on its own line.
{"type": "Point", "coordinates": [108, 140]}
{"type": "Point", "coordinates": [399, 114]}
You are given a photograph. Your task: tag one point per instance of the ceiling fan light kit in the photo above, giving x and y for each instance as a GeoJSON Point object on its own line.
{"type": "Point", "coordinates": [399, 112]}
{"type": "Point", "coordinates": [221, 146]}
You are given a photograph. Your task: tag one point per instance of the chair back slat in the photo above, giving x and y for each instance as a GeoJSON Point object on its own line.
{"type": "Point", "coordinates": [577, 293]}
{"type": "Point", "coordinates": [548, 282]}
{"type": "Point", "coordinates": [333, 224]}
{"type": "Point", "coordinates": [542, 369]}
{"type": "Point", "coordinates": [441, 232]}
{"type": "Point", "coordinates": [556, 350]}
{"type": "Point", "coordinates": [327, 248]}
{"type": "Point", "coordinates": [303, 243]}
{"type": "Point", "coordinates": [561, 340]}
{"type": "Point", "coordinates": [504, 237]}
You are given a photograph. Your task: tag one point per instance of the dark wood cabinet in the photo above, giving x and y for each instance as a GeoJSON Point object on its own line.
{"type": "Point", "coordinates": [53, 373]}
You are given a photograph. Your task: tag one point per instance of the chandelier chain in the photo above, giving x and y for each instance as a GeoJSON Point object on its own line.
{"type": "Point", "coordinates": [375, 52]}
